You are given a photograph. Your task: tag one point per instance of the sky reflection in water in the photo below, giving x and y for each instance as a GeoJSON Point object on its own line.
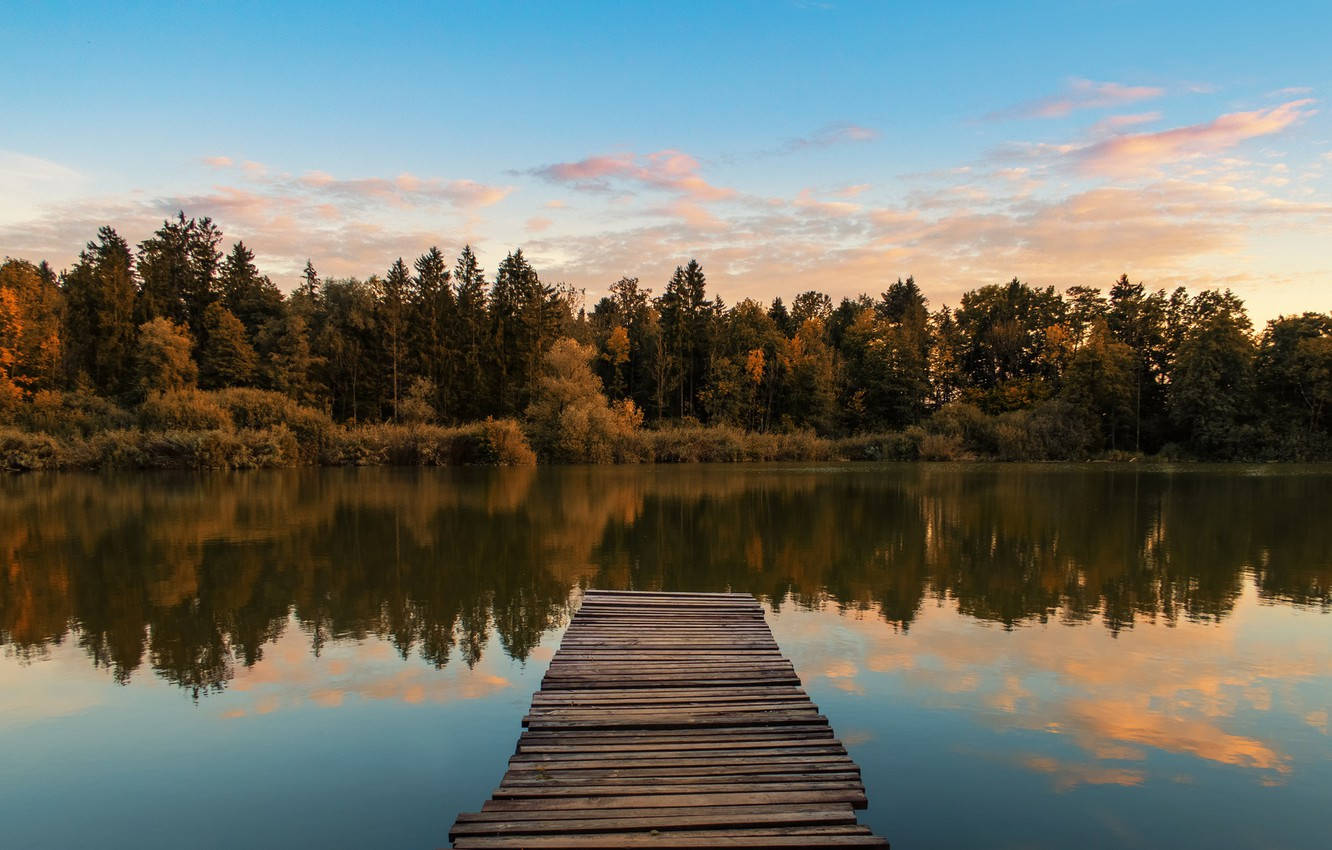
{"type": "Point", "coordinates": [1017, 656]}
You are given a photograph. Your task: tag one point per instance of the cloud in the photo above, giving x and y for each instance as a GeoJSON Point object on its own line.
{"type": "Point", "coordinates": [832, 134]}
{"type": "Point", "coordinates": [1079, 94]}
{"type": "Point", "coordinates": [28, 181]}
{"type": "Point", "coordinates": [668, 170]}
{"type": "Point", "coordinates": [1140, 152]}
{"type": "Point", "coordinates": [406, 189]}
{"type": "Point", "coordinates": [1115, 123]}
{"type": "Point", "coordinates": [851, 191]}
{"type": "Point", "coordinates": [1068, 776]}
{"type": "Point", "coordinates": [537, 224]}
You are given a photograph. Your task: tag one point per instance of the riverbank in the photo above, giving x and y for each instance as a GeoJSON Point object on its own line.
{"type": "Point", "coordinates": [247, 428]}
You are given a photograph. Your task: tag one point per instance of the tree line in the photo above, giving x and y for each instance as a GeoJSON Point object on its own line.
{"type": "Point", "coordinates": [1126, 369]}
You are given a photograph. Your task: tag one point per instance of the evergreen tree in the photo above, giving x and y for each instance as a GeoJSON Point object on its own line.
{"type": "Point", "coordinates": [686, 315]}
{"type": "Point", "coordinates": [470, 286]}
{"type": "Point", "coordinates": [288, 364]}
{"type": "Point", "coordinates": [250, 296]}
{"type": "Point", "coordinates": [100, 331]}
{"type": "Point", "coordinates": [1211, 385]}
{"type": "Point", "coordinates": [226, 358]}
{"type": "Point", "coordinates": [392, 305]}
{"type": "Point", "coordinates": [178, 269]}
{"type": "Point", "coordinates": [1138, 320]}
{"type": "Point", "coordinates": [434, 312]}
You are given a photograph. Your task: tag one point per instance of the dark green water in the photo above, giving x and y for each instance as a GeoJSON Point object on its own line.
{"type": "Point", "coordinates": [1017, 656]}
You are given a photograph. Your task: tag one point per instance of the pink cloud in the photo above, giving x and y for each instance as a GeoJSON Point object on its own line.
{"type": "Point", "coordinates": [1139, 152]}
{"type": "Point", "coordinates": [1115, 123]}
{"type": "Point", "coordinates": [217, 161]}
{"type": "Point", "coordinates": [538, 224]}
{"type": "Point", "coordinates": [405, 189]}
{"type": "Point", "coordinates": [851, 191]}
{"type": "Point", "coordinates": [1080, 94]}
{"type": "Point", "coordinates": [668, 170]}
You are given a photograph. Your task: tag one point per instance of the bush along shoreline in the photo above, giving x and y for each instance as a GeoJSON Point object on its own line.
{"type": "Point", "coordinates": [570, 420]}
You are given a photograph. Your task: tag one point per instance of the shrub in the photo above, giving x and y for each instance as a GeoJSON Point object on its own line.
{"type": "Point", "coordinates": [503, 444]}
{"type": "Point", "coordinates": [968, 423]}
{"type": "Point", "coordinates": [942, 447]}
{"type": "Point", "coordinates": [1052, 430]}
{"type": "Point", "coordinates": [251, 408]}
{"type": "Point", "coordinates": [70, 414]}
{"type": "Point", "coordinates": [184, 410]}
{"type": "Point", "coordinates": [249, 448]}
{"type": "Point", "coordinates": [893, 445]}
{"type": "Point", "coordinates": [23, 451]}
{"type": "Point", "coordinates": [416, 406]}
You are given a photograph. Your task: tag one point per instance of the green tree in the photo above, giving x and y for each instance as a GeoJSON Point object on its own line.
{"type": "Point", "coordinates": [178, 270]}
{"type": "Point", "coordinates": [99, 318]}
{"type": "Point", "coordinates": [809, 395]}
{"type": "Point", "coordinates": [163, 360]}
{"type": "Point", "coordinates": [686, 327]}
{"type": "Point", "coordinates": [288, 364]}
{"type": "Point", "coordinates": [1006, 358]}
{"type": "Point", "coordinates": [1138, 320]}
{"type": "Point", "coordinates": [1100, 381]}
{"type": "Point", "coordinates": [1211, 385]}
{"type": "Point", "coordinates": [345, 346]}
{"type": "Point", "coordinates": [226, 358]}
{"type": "Point", "coordinates": [433, 316]}
{"type": "Point", "coordinates": [1294, 373]}
{"type": "Point", "coordinates": [393, 316]}
{"type": "Point", "coordinates": [525, 318]}
{"type": "Point", "coordinates": [249, 295]}
{"type": "Point", "coordinates": [472, 384]}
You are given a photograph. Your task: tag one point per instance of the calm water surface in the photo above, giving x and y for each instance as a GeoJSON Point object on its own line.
{"type": "Point", "coordinates": [1017, 656]}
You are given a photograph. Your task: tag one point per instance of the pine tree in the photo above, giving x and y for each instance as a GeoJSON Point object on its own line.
{"type": "Point", "coordinates": [99, 294]}
{"type": "Point", "coordinates": [250, 296]}
{"type": "Point", "coordinates": [226, 358]}
{"type": "Point", "coordinates": [393, 308]}
{"type": "Point", "coordinates": [287, 365]}
{"type": "Point", "coordinates": [470, 287]}
{"type": "Point", "coordinates": [433, 313]}
{"type": "Point", "coordinates": [178, 270]}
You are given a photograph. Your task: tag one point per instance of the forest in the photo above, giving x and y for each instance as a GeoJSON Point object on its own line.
{"type": "Point", "coordinates": [178, 353]}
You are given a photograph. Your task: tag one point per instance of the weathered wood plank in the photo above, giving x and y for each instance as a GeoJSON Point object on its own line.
{"type": "Point", "coordinates": [672, 720]}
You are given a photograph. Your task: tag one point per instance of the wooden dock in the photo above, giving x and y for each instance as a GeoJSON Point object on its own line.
{"type": "Point", "coordinates": [672, 720]}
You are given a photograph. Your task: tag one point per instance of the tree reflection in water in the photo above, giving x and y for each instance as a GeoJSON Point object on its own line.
{"type": "Point", "coordinates": [194, 575]}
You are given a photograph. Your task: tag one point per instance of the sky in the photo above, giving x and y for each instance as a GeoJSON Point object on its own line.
{"type": "Point", "coordinates": [786, 145]}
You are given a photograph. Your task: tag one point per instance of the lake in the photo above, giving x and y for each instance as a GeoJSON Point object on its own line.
{"type": "Point", "coordinates": [1017, 656]}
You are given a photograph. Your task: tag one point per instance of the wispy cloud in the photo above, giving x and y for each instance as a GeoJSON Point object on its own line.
{"type": "Point", "coordinates": [1113, 124]}
{"type": "Point", "coordinates": [1139, 152]}
{"type": "Point", "coordinates": [832, 134]}
{"type": "Point", "coordinates": [403, 189]}
{"type": "Point", "coordinates": [668, 170]}
{"type": "Point", "coordinates": [1079, 94]}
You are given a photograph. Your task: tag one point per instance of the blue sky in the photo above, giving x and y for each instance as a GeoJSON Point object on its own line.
{"type": "Point", "coordinates": [787, 145]}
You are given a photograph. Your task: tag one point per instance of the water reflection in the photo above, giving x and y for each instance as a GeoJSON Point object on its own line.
{"type": "Point", "coordinates": [195, 578]}
{"type": "Point", "coordinates": [349, 651]}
